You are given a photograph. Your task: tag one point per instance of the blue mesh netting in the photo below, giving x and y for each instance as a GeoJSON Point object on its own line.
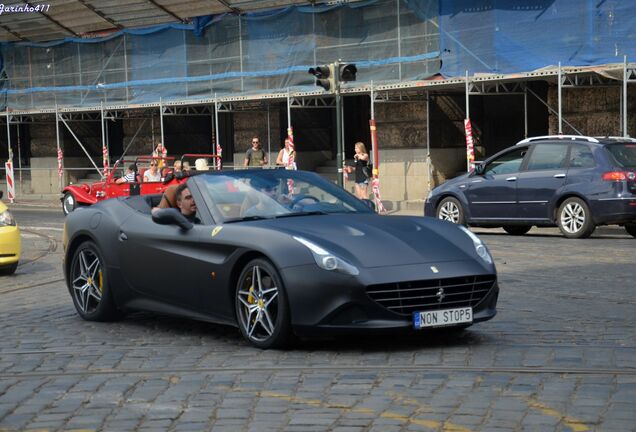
{"type": "Point", "coordinates": [227, 54]}
{"type": "Point", "coordinates": [501, 36]}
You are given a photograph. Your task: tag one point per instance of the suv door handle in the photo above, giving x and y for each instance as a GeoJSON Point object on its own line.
{"type": "Point", "coordinates": [511, 179]}
{"type": "Point", "coordinates": [559, 175]}
{"type": "Point", "coordinates": [122, 236]}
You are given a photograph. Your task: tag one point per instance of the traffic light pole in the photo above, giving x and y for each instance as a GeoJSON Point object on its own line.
{"type": "Point", "coordinates": [340, 161]}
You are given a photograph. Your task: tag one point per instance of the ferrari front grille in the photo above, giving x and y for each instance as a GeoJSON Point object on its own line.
{"type": "Point", "coordinates": [432, 294]}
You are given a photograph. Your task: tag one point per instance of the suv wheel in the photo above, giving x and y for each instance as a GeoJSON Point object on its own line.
{"type": "Point", "coordinates": [451, 210]}
{"type": "Point", "coordinates": [631, 229]}
{"type": "Point", "coordinates": [575, 219]}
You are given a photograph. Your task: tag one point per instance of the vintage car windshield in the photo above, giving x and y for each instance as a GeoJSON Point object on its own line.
{"type": "Point", "coordinates": [265, 194]}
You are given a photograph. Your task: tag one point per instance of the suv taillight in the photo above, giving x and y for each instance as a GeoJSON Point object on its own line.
{"type": "Point", "coordinates": [614, 176]}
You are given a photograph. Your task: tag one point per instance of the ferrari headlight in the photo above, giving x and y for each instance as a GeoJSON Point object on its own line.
{"type": "Point", "coordinates": [6, 219]}
{"type": "Point", "coordinates": [327, 260]}
{"type": "Point", "coordinates": [480, 247]}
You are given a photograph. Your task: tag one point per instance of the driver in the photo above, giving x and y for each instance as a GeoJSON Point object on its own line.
{"type": "Point", "coordinates": [186, 204]}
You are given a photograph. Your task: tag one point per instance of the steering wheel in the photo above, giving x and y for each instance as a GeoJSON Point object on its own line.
{"type": "Point", "coordinates": [299, 198]}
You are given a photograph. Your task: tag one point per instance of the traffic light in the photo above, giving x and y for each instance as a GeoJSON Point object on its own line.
{"type": "Point", "coordinates": [347, 72]}
{"type": "Point", "coordinates": [325, 76]}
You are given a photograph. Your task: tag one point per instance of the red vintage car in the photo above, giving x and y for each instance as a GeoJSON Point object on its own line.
{"type": "Point", "coordinates": [76, 195]}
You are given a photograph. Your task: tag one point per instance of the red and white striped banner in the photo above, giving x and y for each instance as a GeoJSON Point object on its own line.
{"type": "Point", "coordinates": [290, 160]}
{"type": "Point", "coordinates": [60, 168]}
{"type": "Point", "coordinates": [8, 166]}
{"type": "Point", "coordinates": [470, 148]}
{"type": "Point", "coordinates": [105, 158]}
{"type": "Point", "coordinates": [219, 153]}
{"type": "Point", "coordinates": [375, 186]}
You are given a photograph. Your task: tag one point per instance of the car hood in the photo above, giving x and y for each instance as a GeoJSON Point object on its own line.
{"type": "Point", "coordinates": [369, 240]}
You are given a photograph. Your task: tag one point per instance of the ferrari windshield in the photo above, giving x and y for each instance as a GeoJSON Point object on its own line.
{"type": "Point", "coordinates": [265, 194]}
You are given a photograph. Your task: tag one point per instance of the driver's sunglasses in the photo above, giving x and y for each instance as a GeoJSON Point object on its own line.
{"type": "Point", "coordinates": [153, 164]}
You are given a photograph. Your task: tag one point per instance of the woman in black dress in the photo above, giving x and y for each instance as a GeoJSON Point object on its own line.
{"type": "Point", "coordinates": [361, 159]}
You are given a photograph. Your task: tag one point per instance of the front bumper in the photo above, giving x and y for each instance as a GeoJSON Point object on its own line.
{"type": "Point", "coordinates": [10, 245]}
{"type": "Point", "coordinates": [333, 303]}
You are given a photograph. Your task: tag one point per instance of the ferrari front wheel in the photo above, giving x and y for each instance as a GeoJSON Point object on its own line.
{"type": "Point", "coordinates": [88, 285]}
{"type": "Point", "coordinates": [261, 305]}
{"type": "Point", "coordinates": [69, 203]}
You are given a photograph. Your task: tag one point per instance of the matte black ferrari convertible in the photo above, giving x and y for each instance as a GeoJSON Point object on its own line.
{"type": "Point", "coordinates": [277, 252]}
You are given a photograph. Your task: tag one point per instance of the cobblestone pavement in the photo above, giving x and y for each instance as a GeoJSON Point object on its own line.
{"type": "Point", "coordinates": [560, 355]}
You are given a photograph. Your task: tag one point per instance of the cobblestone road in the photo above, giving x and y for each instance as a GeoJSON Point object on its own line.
{"type": "Point", "coordinates": [560, 355]}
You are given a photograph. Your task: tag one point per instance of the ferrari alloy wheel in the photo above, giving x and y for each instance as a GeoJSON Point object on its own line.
{"type": "Point", "coordinates": [450, 209]}
{"type": "Point", "coordinates": [574, 218]}
{"type": "Point", "coordinates": [88, 285]}
{"type": "Point", "coordinates": [68, 203]}
{"type": "Point", "coordinates": [516, 229]}
{"type": "Point", "coordinates": [261, 305]}
{"type": "Point", "coordinates": [631, 229]}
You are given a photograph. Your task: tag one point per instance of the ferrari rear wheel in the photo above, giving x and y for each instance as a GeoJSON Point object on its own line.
{"type": "Point", "coordinates": [9, 270]}
{"type": "Point", "coordinates": [261, 305]}
{"type": "Point", "coordinates": [69, 203]}
{"type": "Point", "coordinates": [88, 285]}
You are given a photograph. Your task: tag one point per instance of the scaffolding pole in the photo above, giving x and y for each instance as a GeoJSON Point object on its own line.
{"type": "Point", "coordinates": [216, 121]}
{"type": "Point", "coordinates": [103, 134]}
{"type": "Point", "coordinates": [625, 134]}
{"type": "Point", "coordinates": [81, 145]}
{"type": "Point", "coordinates": [19, 156]}
{"type": "Point", "coordinates": [269, 142]}
{"type": "Point", "coordinates": [428, 140]}
{"type": "Point", "coordinates": [161, 122]}
{"type": "Point", "coordinates": [9, 137]}
{"type": "Point", "coordinates": [525, 112]}
{"type": "Point", "coordinates": [559, 88]}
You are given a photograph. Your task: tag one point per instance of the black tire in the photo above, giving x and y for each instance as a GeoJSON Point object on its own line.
{"type": "Point", "coordinates": [69, 203]}
{"type": "Point", "coordinates": [255, 305]}
{"type": "Point", "coordinates": [8, 270]}
{"type": "Point", "coordinates": [631, 229]}
{"type": "Point", "coordinates": [575, 219]}
{"type": "Point", "coordinates": [517, 229]}
{"type": "Point", "coordinates": [94, 302]}
{"type": "Point", "coordinates": [450, 209]}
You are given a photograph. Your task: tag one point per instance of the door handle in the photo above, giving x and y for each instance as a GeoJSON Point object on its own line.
{"type": "Point", "coordinates": [511, 179]}
{"type": "Point", "coordinates": [559, 175]}
{"type": "Point", "coordinates": [123, 236]}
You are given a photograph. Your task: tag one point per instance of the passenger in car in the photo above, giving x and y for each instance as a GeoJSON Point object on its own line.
{"type": "Point", "coordinates": [131, 175]}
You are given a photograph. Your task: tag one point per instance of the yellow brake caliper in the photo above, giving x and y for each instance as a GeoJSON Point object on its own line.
{"type": "Point", "coordinates": [100, 281]}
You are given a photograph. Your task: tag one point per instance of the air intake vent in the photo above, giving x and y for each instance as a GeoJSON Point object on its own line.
{"type": "Point", "coordinates": [408, 297]}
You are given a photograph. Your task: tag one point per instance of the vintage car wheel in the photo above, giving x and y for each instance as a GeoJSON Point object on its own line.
{"type": "Point", "coordinates": [631, 229]}
{"type": "Point", "coordinates": [517, 229]}
{"type": "Point", "coordinates": [261, 305]}
{"type": "Point", "coordinates": [9, 270]}
{"type": "Point", "coordinates": [69, 203]}
{"type": "Point", "coordinates": [574, 218]}
{"type": "Point", "coordinates": [88, 285]}
{"type": "Point", "coordinates": [451, 210]}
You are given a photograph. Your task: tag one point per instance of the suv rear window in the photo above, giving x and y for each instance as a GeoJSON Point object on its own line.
{"type": "Point", "coordinates": [624, 153]}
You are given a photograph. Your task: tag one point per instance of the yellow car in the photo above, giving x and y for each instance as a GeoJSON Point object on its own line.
{"type": "Point", "coordinates": [9, 241]}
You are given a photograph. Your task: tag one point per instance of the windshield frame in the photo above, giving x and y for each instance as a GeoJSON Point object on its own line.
{"type": "Point", "coordinates": [348, 199]}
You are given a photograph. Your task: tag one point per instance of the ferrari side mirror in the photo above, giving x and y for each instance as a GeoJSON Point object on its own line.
{"type": "Point", "coordinates": [479, 169]}
{"type": "Point", "coordinates": [171, 216]}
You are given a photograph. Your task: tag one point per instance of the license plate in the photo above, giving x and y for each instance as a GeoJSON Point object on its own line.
{"type": "Point", "coordinates": [441, 318]}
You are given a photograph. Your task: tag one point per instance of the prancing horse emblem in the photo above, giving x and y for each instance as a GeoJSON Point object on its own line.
{"type": "Point", "coordinates": [440, 295]}
{"type": "Point", "coordinates": [434, 269]}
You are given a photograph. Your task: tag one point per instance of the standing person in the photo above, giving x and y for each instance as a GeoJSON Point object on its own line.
{"type": "Point", "coordinates": [152, 174]}
{"type": "Point", "coordinates": [284, 154]}
{"type": "Point", "coordinates": [161, 152]}
{"type": "Point", "coordinates": [361, 158]}
{"type": "Point", "coordinates": [255, 156]}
